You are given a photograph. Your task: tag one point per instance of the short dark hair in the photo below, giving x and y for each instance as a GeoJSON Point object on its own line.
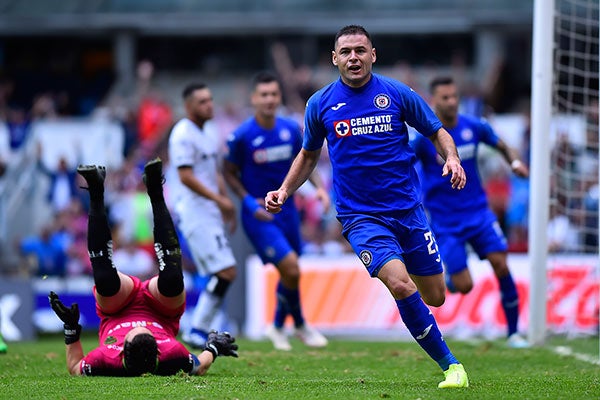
{"type": "Point", "coordinates": [264, 77]}
{"type": "Point", "coordinates": [140, 354]}
{"type": "Point", "coordinates": [439, 81]}
{"type": "Point", "coordinates": [351, 30]}
{"type": "Point", "coordinates": [191, 88]}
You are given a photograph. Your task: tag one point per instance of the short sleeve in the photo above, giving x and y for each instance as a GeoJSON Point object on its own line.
{"type": "Point", "coordinates": [314, 131]}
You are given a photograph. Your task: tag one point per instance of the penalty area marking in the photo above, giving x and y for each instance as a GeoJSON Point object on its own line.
{"type": "Point", "coordinates": [567, 351]}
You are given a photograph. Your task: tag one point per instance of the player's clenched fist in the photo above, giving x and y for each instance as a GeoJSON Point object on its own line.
{"type": "Point", "coordinates": [274, 200]}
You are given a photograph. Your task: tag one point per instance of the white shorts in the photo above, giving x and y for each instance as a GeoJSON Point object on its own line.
{"type": "Point", "coordinates": [210, 248]}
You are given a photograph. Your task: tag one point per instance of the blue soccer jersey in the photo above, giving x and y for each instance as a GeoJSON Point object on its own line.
{"type": "Point", "coordinates": [449, 207]}
{"type": "Point", "coordinates": [372, 161]}
{"type": "Point", "coordinates": [263, 157]}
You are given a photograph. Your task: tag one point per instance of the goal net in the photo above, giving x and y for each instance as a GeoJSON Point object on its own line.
{"type": "Point", "coordinates": [563, 217]}
{"type": "Point", "coordinates": [573, 219]}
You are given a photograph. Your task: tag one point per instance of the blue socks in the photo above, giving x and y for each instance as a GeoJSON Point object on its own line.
{"type": "Point", "coordinates": [509, 298]}
{"type": "Point", "coordinates": [422, 326]}
{"type": "Point", "coordinates": [510, 302]}
{"type": "Point", "coordinates": [288, 302]}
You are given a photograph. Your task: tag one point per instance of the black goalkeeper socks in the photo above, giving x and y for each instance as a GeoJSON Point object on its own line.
{"type": "Point", "coordinates": [168, 252]}
{"type": "Point", "coordinates": [166, 242]}
{"type": "Point", "coordinates": [100, 249]}
{"type": "Point", "coordinates": [100, 246]}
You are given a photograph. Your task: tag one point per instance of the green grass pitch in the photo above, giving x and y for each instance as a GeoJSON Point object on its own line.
{"type": "Point", "coordinates": [344, 370]}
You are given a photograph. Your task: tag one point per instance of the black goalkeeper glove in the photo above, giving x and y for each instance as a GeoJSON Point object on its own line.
{"type": "Point", "coordinates": [70, 317]}
{"type": "Point", "coordinates": [221, 344]}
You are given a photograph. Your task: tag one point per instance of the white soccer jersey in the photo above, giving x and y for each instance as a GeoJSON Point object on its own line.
{"type": "Point", "coordinates": [198, 148]}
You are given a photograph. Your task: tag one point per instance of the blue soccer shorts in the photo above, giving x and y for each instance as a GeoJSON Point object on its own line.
{"type": "Point", "coordinates": [406, 236]}
{"type": "Point", "coordinates": [481, 231]}
{"type": "Point", "coordinates": [276, 239]}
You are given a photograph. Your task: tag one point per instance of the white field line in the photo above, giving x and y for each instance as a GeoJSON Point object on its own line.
{"type": "Point", "coordinates": [567, 351]}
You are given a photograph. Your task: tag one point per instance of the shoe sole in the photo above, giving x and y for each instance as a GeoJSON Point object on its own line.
{"type": "Point", "coordinates": [152, 164]}
{"type": "Point", "coordinates": [153, 171]}
{"type": "Point", "coordinates": [87, 170]}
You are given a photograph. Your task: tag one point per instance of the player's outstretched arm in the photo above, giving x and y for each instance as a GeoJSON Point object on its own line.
{"type": "Point", "coordinates": [517, 166]}
{"type": "Point", "coordinates": [74, 357]}
{"type": "Point", "coordinates": [206, 359]}
{"type": "Point", "coordinates": [217, 344]}
{"type": "Point", "coordinates": [70, 318]}
{"type": "Point", "coordinates": [303, 165]}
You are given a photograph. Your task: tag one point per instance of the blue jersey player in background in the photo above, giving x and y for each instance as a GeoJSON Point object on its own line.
{"type": "Point", "coordinates": [458, 218]}
{"type": "Point", "coordinates": [363, 117]}
{"type": "Point", "coordinates": [260, 152]}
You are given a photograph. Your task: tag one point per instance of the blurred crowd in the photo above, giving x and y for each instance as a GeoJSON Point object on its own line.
{"type": "Point", "coordinates": [147, 114]}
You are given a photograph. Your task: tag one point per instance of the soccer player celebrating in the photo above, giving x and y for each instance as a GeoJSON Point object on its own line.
{"type": "Point", "coordinates": [362, 115]}
{"type": "Point", "coordinates": [139, 321]}
{"type": "Point", "coordinates": [458, 218]}
{"type": "Point", "coordinates": [260, 153]}
{"type": "Point", "coordinates": [201, 205]}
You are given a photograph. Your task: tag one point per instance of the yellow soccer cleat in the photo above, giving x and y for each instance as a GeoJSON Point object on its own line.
{"type": "Point", "coordinates": [456, 377]}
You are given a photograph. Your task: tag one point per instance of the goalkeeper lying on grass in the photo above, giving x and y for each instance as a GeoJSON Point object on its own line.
{"type": "Point", "coordinates": [139, 320]}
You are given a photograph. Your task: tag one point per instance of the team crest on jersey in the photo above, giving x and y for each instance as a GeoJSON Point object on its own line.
{"type": "Point", "coordinates": [382, 101]}
{"type": "Point", "coordinates": [110, 340]}
{"type": "Point", "coordinates": [285, 135]}
{"type": "Point", "coordinates": [342, 128]}
{"type": "Point", "coordinates": [466, 134]}
{"type": "Point", "coordinates": [366, 257]}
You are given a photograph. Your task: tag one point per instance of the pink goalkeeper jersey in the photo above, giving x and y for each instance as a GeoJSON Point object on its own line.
{"type": "Point", "coordinates": [141, 309]}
